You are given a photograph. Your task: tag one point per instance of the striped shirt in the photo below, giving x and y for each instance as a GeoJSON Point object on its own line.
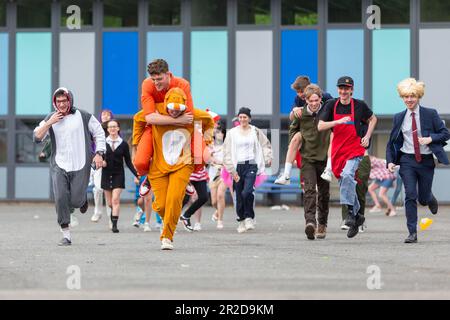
{"type": "Point", "coordinates": [200, 175]}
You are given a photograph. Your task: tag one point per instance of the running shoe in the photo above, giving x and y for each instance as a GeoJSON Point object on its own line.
{"type": "Point", "coordinates": [147, 227]}
{"type": "Point", "coordinates": [144, 188]}
{"type": "Point", "coordinates": [197, 226]}
{"type": "Point", "coordinates": [283, 180]}
{"type": "Point", "coordinates": [241, 227]}
{"type": "Point", "coordinates": [95, 217]}
{"type": "Point", "coordinates": [327, 175]}
{"type": "Point", "coordinates": [249, 225]}
{"type": "Point", "coordinates": [186, 223]}
{"type": "Point", "coordinates": [166, 244]}
{"type": "Point", "coordinates": [64, 242]}
{"type": "Point", "coordinates": [190, 190]}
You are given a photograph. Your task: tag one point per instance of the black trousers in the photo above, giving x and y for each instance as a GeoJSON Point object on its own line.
{"type": "Point", "coordinates": [244, 190]}
{"type": "Point", "coordinates": [202, 193]}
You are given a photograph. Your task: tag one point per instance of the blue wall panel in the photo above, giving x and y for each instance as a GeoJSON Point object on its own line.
{"type": "Point", "coordinates": [209, 70]}
{"type": "Point", "coordinates": [391, 64]}
{"type": "Point", "coordinates": [299, 56]}
{"type": "Point", "coordinates": [168, 46]}
{"type": "Point", "coordinates": [120, 72]}
{"type": "Point", "coordinates": [3, 73]}
{"type": "Point", "coordinates": [345, 56]}
{"type": "Point", "coordinates": [33, 73]}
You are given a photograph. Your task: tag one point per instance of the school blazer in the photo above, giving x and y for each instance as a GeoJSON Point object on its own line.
{"type": "Point", "coordinates": [431, 126]}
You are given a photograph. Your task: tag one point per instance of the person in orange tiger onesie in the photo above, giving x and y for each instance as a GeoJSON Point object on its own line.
{"type": "Point", "coordinates": [177, 148]}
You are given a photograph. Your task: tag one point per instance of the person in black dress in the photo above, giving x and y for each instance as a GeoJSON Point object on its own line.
{"type": "Point", "coordinates": [113, 175]}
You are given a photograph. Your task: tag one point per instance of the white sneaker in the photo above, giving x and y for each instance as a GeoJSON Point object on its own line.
{"type": "Point", "coordinates": [327, 175]}
{"type": "Point", "coordinates": [137, 218]}
{"type": "Point", "coordinates": [343, 226]}
{"type": "Point", "coordinates": [73, 221]}
{"type": "Point", "coordinates": [241, 227]}
{"type": "Point", "coordinates": [392, 213]}
{"type": "Point", "coordinates": [362, 228]}
{"type": "Point", "coordinates": [399, 208]}
{"type": "Point", "coordinates": [220, 225]}
{"type": "Point", "coordinates": [375, 209]}
{"type": "Point", "coordinates": [282, 179]}
{"type": "Point", "coordinates": [197, 226]}
{"type": "Point", "coordinates": [214, 217]}
{"type": "Point", "coordinates": [95, 217]}
{"type": "Point", "coordinates": [166, 244]}
{"type": "Point", "coordinates": [147, 227]}
{"type": "Point", "coordinates": [249, 225]}
{"type": "Point", "coordinates": [157, 225]}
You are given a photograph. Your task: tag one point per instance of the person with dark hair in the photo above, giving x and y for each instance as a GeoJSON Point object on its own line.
{"type": "Point", "coordinates": [96, 175]}
{"type": "Point", "coordinates": [345, 116]}
{"type": "Point", "coordinates": [154, 90]}
{"type": "Point", "coordinates": [113, 175]}
{"type": "Point", "coordinates": [247, 152]}
{"type": "Point", "coordinates": [217, 186]}
{"type": "Point", "coordinates": [72, 132]}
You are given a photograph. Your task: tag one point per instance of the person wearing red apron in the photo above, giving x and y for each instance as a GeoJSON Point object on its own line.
{"type": "Point", "coordinates": [345, 115]}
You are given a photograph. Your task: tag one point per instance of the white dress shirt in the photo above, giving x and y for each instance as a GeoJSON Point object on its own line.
{"type": "Point", "coordinates": [408, 144]}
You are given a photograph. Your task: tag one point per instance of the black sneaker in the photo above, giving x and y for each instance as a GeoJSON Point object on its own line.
{"type": "Point", "coordinates": [114, 229]}
{"type": "Point", "coordinates": [433, 205]}
{"type": "Point", "coordinates": [353, 231]}
{"type": "Point", "coordinates": [412, 238]}
{"type": "Point", "coordinates": [350, 221]}
{"type": "Point", "coordinates": [64, 242]}
{"type": "Point", "coordinates": [186, 223]}
{"type": "Point", "coordinates": [84, 207]}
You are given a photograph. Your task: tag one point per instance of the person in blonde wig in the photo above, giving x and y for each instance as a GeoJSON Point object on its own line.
{"type": "Point", "coordinates": [418, 133]}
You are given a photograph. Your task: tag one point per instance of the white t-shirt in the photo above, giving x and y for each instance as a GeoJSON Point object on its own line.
{"type": "Point", "coordinates": [245, 147]}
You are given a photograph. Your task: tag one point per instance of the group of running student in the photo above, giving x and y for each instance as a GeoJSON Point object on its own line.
{"type": "Point", "coordinates": [333, 135]}
{"type": "Point", "coordinates": [173, 141]}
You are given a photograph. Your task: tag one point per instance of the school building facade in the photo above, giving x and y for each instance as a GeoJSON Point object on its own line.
{"type": "Point", "coordinates": [234, 52]}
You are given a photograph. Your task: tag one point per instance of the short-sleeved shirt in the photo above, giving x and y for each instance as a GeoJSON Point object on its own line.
{"type": "Point", "coordinates": [299, 102]}
{"type": "Point", "coordinates": [150, 95]}
{"type": "Point", "coordinates": [362, 113]}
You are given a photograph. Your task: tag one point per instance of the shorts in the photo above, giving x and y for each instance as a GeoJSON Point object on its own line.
{"type": "Point", "coordinates": [388, 183]}
{"type": "Point", "coordinates": [214, 184]}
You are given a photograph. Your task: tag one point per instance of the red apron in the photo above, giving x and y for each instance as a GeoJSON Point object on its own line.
{"type": "Point", "coordinates": [346, 143]}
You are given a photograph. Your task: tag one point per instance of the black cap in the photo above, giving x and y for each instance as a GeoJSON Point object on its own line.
{"type": "Point", "coordinates": [245, 111]}
{"type": "Point", "coordinates": [345, 81]}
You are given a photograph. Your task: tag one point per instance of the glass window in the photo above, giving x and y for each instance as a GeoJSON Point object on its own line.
{"type": "Point", "coordinates": [164, 12]}
{"type": "Point", "coordinates": [3, 142]}
{"type": "Point", "coordinates": [34, 14]}
{"type": "Point", "coordinates": [254, 12]}
{"type": "Point", "coordinates": [119, 13]}
{"type": "Point", "coordinates": [2, 13]}
{"type": "Point", "coordinates": [86, 14]}
{"type": "Point", "coordinates": [435, 11]}
{"type": "Point", "coordinates": [299, 12]}
{"type": "Point", "coordinates": [393, 11]}
{"type": "Point", "coordinates": [209, 13]}
{"type": "Point", "coordinates": [26, 150]}
{"type": "Point", "coordinates": [344, 11]}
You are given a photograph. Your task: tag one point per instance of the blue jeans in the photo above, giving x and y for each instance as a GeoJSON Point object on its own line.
{"type": "Point", "coordinates": [347, 184]}
{"type": "Point", "coordinates": [398, 187]}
